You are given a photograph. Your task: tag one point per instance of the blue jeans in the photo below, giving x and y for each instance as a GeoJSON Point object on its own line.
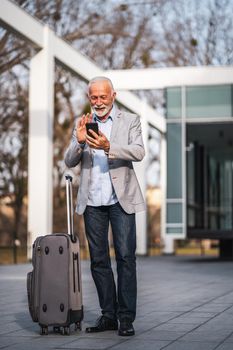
{"type": "Point", "coordinates": [120, 304]}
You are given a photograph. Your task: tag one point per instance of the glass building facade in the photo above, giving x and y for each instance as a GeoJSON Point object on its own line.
{"type": "Point", "coordinates": [199, 196]}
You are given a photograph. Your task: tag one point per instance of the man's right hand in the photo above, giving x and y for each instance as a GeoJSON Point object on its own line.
{"type": "Point", "coordinates": [81, 127]}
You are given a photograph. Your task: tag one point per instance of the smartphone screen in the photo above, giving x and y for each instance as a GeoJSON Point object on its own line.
{"type": "Point", "coordinates": [92, 126]}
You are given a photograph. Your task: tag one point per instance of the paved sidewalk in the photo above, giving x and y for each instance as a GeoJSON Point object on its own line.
{"type": "Point", "coordinates": [183, 304]}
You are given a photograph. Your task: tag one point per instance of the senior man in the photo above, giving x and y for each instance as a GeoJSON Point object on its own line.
{"type": "Point", "coordinates": [109, 193]}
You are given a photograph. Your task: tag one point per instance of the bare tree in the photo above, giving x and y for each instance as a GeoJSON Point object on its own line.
{"type": "Point", "coordinates": [197, 33]}
{"type": "Point", "coordinates": [13, 153]}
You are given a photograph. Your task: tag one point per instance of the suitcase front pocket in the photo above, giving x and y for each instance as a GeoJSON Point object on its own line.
{"type": "Point", "coordinates": [31, 306]}
{"type": "Point", "coordinates": [76, 263]}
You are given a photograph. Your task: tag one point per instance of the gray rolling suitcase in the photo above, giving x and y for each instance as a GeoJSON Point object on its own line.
{"type": "Point", "coordinates": [54, 285]}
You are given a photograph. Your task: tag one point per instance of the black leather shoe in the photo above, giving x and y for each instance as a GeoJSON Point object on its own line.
{"type": "Point", "coordinates": [103, 323]}
{"type": "Point", "coordinates": [126, 329]}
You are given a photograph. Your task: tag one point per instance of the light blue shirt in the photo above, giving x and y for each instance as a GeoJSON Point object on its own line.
{"type": "Point", "coordinates": [101, 191]}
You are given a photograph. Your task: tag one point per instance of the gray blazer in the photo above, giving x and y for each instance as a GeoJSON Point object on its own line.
{"type": "Point", "coordinates": [126, 146]}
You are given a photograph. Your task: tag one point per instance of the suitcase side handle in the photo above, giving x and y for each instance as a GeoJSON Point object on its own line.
{"type": "Point", "coordinates": [69, 204]}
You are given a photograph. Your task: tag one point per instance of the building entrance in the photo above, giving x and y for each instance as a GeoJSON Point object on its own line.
{"type": "Point", "coordinates": [209, 165]}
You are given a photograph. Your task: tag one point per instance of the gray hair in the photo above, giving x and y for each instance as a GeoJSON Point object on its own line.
{"type": "Point", "coordinates": [93, 80]}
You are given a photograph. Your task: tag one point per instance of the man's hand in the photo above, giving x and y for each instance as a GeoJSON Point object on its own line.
{"type": "Point", "coordinates": [81, 127]}
{"type": "Point", "coordinates": [98, 141]}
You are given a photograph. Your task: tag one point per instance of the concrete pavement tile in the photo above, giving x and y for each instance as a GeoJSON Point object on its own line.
{"type": "Point", "coordinates": [230, 310]}
{"type": "Point", "coordinates": [178, 345]}
{"type": "Point", "coordinates": [204, 336]}
{"type": "Point", "coordinates": [6, 341]}
{"type": "Point", "coordinates": [141, 327]}
{"type": "Point", "coordinates": [9, 328]}
{"type": "Point", "coordinates": [212, 308]}
{"type": "Point", "coordinates": [197, 313]}
{"type": "Point", "coordinates": [160, 315]}
{"type": "Point", "coordinates": [41, 343]}
{"type": "Point", "coordinates": [152, 319]}
{"type": "Point", "coordinates": [225, 346]}
{"type": "Point", "coordinates": [226, 299]}
{"type": "Point", "coordinates": [176, 327]}
{"type": "Point", "coordinates": [160, 335]}
{"type": "Point", "coordinates": [6, 320]}
{"type": "Point", "coordinates": [221, 328]}
{"type": "Point", "coordinates": [229, 340]}
{"type": "Point", "coordinates": [189, 319]}
{"type": "Point", "coordinates": [136, 344]}
{"type": "Point", "coordinates": [218, 326]}
{"type": "Point", "coordinates": [91, 343]}
{"type": "Point", "coordinates": [29, 345]}
{"type": "Point", "coordinates": [33, 331]}
{"type": "Point", "coordinates": [113, 335]}
{"type": "Point", "coordinates": [173, 308]}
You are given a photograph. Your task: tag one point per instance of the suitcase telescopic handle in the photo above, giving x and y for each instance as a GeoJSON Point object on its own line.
{"type": "Point", "coordinates": [70, 210]}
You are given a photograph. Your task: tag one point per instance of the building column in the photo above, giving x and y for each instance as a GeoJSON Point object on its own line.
{"type": "Point", "coordinates": [40, 156]}
{"type": "Point", "coordinates": [167, 241]}
{"type": "Point", "coordinates": [140, 169]}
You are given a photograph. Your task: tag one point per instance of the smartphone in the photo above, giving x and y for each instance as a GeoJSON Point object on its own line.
{"type": "Point", "coordinates": [92, 126]}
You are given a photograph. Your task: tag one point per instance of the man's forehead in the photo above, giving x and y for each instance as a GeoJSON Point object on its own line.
{"type": "Point", "coordinates": [101, 85]}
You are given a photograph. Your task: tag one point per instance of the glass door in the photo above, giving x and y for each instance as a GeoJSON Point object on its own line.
{"type": "Point", "coordinates": [209, 159]}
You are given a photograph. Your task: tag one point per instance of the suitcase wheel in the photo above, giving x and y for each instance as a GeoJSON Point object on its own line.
{"type": "Point", "coordinates": [44, 330]}
{"type": "Point", "coordinates": [78, 325]}
{"type": "Point", "coordinates": [65, 330]}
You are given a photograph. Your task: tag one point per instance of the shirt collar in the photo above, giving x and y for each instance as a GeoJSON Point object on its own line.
{"type": "Point", "coordinates": [111, 115]}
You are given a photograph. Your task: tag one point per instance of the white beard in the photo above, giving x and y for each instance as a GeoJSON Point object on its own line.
{"type": "Point", "coordinates": [102, 112]}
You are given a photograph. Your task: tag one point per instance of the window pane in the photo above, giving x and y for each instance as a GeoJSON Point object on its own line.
{"type": "Point", "coordinates": [175, 230]}
{"type": "Point", "coordinates": [209, 101]}
{"type": "Point", "coordinates": [174, 173]}
{"type": "Point", "coordinates": [174, 213]}
{"type": "Point", "coordinates": [173, 102]}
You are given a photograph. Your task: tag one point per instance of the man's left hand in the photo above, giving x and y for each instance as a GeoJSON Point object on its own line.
{"type": "Point", "coordinates": [98, 141]}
